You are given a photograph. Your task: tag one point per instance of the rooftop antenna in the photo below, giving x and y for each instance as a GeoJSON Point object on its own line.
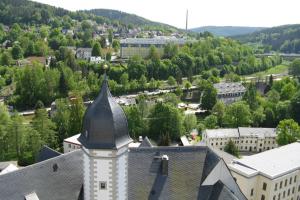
{"type": "Point", "coordinates": [186, 18]}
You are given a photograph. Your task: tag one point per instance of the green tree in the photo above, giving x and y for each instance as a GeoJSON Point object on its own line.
{"type": "Point", "coordinates": [211, 121]}
{"type": "Point", "coordinates": [251, 97]}
{"type": "Point", "coordinates": [17, 51]}
{"type": "Point", "coordinates": [288, 91]}
{"type": "Point", "coordinates": [136, 68]}
{"type": "Point", "coordinates": [136, 124]}
{"type": "Point", "coordinates": [237, 114]}
{"type": "Point", "coordinates": [208, 96]}
{"type": "Point", "coordinates": [288, 131]}
{"type": "Point", "coordinates": [219, 111]}
{"type": "Point", "coordinates": [4, 131]}
{"type": "Point", "coordinates": [110, 36]}
{"type": "Point", "coordinates": [5, 59]}
{"type": "Point", "coordinates": [96, 51]}
{"type": "Point", "coordinates": [258, 116]}
{"type": "Point", "coordinates": [170, 50]}
{"type": "Point", "coordinates": [187, 85]}
{"type": "Point", "coordinates": [232, 149]}
{"type": "Point", "coordinates": [152, 84]}
{"type": "Point", "coordinates": [153, 53]}
{"type": "Point", "coordinates": [31, 147]}
{"type": "Point", "coordinates": [171, 81]}
{"type": "Point", "coordinates": [190, 122]}
{"type": "Point", "coordinates": [16, 136]}
{"type": "Point", "coordinates": [45, 127]}
{"type": "Point", "coordinates": [273, 96]}
{"type": "Point", "coordinates": [61, 119]}
{"type": "Point", "coordinates": [171, 98]}
{"type": "Point", "coordinates": [143, 82]}
{"type": "Point", "coordinates": [295, 67]}
{"type": "Point", "coordinates": [165, 119]}
{"type": "Point", "coordinates": [76, 115]}
{"type": "Point", "coordinates": [295, 107]}
{"type": "Point", "coordinates": [116, 45]}
{"type": "Point", "coordinates": [124, 81]}
{"type": "Point", "coordinates": [108, 56]}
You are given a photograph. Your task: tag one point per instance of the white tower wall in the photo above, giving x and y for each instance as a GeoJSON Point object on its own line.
{"type": "Point", "coordinates": [109, 167]}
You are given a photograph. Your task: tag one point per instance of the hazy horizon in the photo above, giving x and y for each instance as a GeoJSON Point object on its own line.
{"type": "Point", "coordinates": [254, 13]}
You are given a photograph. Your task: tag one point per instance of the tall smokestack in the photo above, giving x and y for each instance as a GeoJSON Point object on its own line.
{"type": "Point", "coordinates": [187, 18]}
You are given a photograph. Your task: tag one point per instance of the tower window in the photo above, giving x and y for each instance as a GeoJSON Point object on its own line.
{"type": "Point", "coordinates": [102, 185]}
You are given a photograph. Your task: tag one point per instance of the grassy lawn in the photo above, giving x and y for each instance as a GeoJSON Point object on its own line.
{"type": "Point", "coordinates": [279, 69]}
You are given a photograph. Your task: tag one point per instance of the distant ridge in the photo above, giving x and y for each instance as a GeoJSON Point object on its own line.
{"type": "Point", "coordinates": [126, 18]}
{"type": "Point", "coordinates": [227, 30]}
{"type": "Point", "coordinates": [285, 38]}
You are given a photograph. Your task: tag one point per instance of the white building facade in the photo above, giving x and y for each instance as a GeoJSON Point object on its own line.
{"type": "Point", "coordinates": [246, 139]}
{"type": "Point", "coordinates": [271, 175]}
{"type": "Point", "coordinates": [141, 46]}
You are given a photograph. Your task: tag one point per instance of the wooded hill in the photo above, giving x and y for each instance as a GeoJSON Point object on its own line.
{"type": "Point", "coordinates": [282, 38]}
{"type": "Point", "coordinates": [126, 18]}
{"type": "Point", "coordinates": [226, 30]}
{"type": "Point", "coordinates": [33, 13]}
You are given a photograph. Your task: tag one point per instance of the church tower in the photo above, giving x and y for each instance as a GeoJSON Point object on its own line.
{"type": "Point", "coordinates": [105, 141]}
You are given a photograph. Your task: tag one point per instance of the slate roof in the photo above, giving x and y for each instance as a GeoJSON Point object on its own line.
{"type": "Point", "coordinates": [218, 191]}
{"type": "Point", "coordinates": [188, 169]}
{"type": "Point", "coordinates": [225, 88]}
{"type": "Point", "coordinates": [46, 153]}
{"type": "Point", "coordinates": [64, 184]}
{"type": "Point", "coordinates": [104, 123]}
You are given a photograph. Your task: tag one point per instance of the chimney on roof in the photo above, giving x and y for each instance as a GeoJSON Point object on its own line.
{"type": "Point", "coordinates": [164, 165]}
{"type": "Point", "coordinates": [140, 138]}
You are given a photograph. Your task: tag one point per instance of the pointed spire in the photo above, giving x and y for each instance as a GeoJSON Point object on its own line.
{"type": "Point", "coordinates": [104, 124]}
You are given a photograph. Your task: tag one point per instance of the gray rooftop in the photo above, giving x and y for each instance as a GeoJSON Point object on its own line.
{"type": "Point", "coordinates": [47, 153]}
{"type": "Point", "coordinates": [153, 41]}
{"type": "Point", "coordinates": [63, 184]}
{"type": "Point", "coordinates": [189, 168]}
{"type": "Point", "coordinates": [225, 88]}
{"type": "Point", "coordinates": [193, 173]}
{"type": "Point", "coordinates": [287, 160]}
{"type": "Point", "coordinates": [240, 132]}
{"type": "Point", "coordinates": [104, 123]}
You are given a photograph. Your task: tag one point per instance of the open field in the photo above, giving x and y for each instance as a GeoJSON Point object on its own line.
{"type": "Point", "coordinates": [279, 69]}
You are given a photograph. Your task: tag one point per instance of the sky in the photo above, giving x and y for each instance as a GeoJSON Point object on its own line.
{"type": "Point", "coordinates": [260, 13]}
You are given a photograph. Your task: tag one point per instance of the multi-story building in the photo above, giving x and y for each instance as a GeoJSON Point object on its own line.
{"type": "Point", "coordinates": [271, 175]}
{"type": "Point", "coordinates": [246, 139]}
{"type": "Point", "coordinates": [141, 46]}
{"type": "Point", "coordinates": [230, 92]}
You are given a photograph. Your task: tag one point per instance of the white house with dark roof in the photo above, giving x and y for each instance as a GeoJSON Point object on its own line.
{"type": "Point", "coordinates": [106, 168]}
{"type": "Point", "coordinates": [273, 174]}
{"type": "Point", "coordinates": [245, 138]}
